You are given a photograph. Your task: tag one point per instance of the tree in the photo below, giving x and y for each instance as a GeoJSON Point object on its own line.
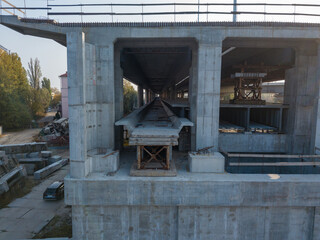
{"type": "Point", "coordinates": [14, 93]}
{"type": "Point", "coordinates": [129, 97]}
{"type": "Point", "coordinates": [46, 83]}
{"type": "Point", "coordinates": [56, 100]}
{"type": "Point", "coordinates": [34, 73]}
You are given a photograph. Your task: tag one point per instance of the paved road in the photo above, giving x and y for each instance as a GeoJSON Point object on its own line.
{"type": "Point", "coordinates": [28, 215]}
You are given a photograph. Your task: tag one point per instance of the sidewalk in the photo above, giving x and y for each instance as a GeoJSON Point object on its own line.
{"type": "Point", "coordinates": [28, 215]}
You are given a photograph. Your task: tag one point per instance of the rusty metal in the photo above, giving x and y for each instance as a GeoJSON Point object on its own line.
{"type": "Point", "coordinates": [248, 85]}
{"type": "Point", "coordinates": [150, 157]}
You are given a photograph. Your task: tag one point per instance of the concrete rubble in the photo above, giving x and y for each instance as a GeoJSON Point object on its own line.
{"type": "Point", "coordinates": [56, 132]}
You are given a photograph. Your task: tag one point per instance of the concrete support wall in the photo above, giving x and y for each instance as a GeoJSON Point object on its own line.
{"type": "Point", "coordinates": [92, 100]}
{"type": "Point", "coordinates": [106, 95]}
{"type": "Point", "coordinates": [196, 206]}
{"type": "Point", "coordinates": [77, 104]}
{"type": "Point", "coordinates": [301, 93]}
{"type": "Point", "coordinates": [166, 222]}
{"type": "Point", "coordinates": [248, 142]}
{"type": "Point", "coordinates": [206, 112]}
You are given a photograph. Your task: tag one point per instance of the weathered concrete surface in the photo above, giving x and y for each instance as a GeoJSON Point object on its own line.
{"type": "Point", "coordinates": [194, 205]}
{"type": "Point", "coordinates": [248, 142]}
{"type": "Point", "coordinates": [208, 163]}
{"type": "Point", "coordinates": [154, 222]}
{"type": "Point", "coordinates": [23, 148]}
{"type": "Point", "coordinates": [108, 162]}
{"type": "Point", "coordinates": [11, 177]}
{"type": "Point", "coordinates": [44, 172]}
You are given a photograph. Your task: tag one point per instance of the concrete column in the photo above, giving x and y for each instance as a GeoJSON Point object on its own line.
{"type": "Point", "coordinates": [140, 96]}
{"type": "Point", "coordinates": [316, 131]}
{"type": "Point", "coordinates": [118, 98]}
{"type": "Point", "coordinates": [152, 95]}
{"type": "Point", "coordinates": [302, 95]}
{"type": "Point", "coordinates": [106, 95]}
{"type": "Point", "coordinates": [208, 95]}
{"type": "Point", "coordinates": [79, 166]}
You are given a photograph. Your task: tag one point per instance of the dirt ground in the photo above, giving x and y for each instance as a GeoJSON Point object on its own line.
{"type": "Point", "coordinates": [24, 136]}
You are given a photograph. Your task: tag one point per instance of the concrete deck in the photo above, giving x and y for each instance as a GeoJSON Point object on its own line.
{"type": "Point", "coordinates": [186, 188]}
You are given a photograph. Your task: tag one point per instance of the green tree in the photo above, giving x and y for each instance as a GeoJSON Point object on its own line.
{"type": "Point", "coordinates": [56, 99]}
{"type": "Point", "coordinates": [39, 98]}
{"type": "Point", "coordinates": [129, 97]}
{"type": "Point", "coordinates": [14, 92]}
{"type": "Point", "coordinates": [34, 73]}
{"type": "Point", "coordinates": [46, 83]}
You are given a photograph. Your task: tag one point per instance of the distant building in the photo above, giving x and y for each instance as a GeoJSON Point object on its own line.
{"type": "Point", "coordinates": [64, 94]}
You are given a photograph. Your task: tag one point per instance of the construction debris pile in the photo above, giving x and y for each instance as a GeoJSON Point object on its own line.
{"type": "Point", "coordinates": [56, 132]}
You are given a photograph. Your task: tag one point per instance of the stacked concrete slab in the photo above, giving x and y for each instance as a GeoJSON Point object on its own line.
{"type": "Point", "coordinates": [10, 172]}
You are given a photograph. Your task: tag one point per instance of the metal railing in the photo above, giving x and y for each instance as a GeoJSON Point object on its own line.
{"type": "Point", "coordinates": [141, 9]}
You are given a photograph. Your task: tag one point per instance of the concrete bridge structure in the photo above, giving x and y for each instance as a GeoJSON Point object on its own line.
{"type": "Point", "coordinates": [175, 60]}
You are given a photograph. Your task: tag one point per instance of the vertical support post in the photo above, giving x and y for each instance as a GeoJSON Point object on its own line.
{"type": "Point", "coordinates": [302, 99]}
{"type": "Point", "coordinates": [280, 119]}
{"type": "Point", "coordinates": [140, 96]}
{"type": "Point", "coordinates": [234, 10]}
{"type": "Point", "coordinates": [77, 104]}
{"type": "Point", "coordinates": [106, 98]}
{"type": "Point", "coordinates": [118, 97]}
{"type": "Point", "coordinates": [208, 94]}
{"type": "Point", "coordinates": [247, 127]}
{"type": "Point", "coordinates": [139, 157]}
{"type": "Point", "coordinates": [168, 157]}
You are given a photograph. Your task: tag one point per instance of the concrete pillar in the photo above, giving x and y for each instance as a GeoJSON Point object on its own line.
{"type": "Point", "coordinates": [316, 131]}
{"type": "Point", "coordinates": [106, 95]}
{"type": "Point", "coordinates": [207, 95]}
{"type": "Point", "coordinates": [77, 104]}
{"type": "Point", "coordinates": [173, 93]}
{"type": "Point", "coordinates": [152, 95]}
{"type": "Point", "coordinates": [140, 96]}
{"type": "Point", "coordinates": [118, 98]}
{"type": "Point", "coordinates": [302, 95]}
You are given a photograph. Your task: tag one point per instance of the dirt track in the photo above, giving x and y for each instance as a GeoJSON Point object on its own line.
{"type": "Point", "coordinates": [24, 136]}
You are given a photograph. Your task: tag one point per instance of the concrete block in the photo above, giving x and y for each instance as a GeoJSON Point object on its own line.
{"type": "Point", "coordinates": [42, 173]}
{"type": "Point", "coordinates": [33, 155]}
{"type": "Point", "coordinates": [46, 154]}
{"type": "Point", "coordinates": [20, 155]}
{"type": "Point", "coordinates": [108, 162]}
{"type": "Point", "coordinates": [2, 153]}
{"type": "Point", "coordinates": [54, 159]}
{"type": "Point", "coordinates": [30, 168]}
{"type": "Point", "coordinates": [211, 162]}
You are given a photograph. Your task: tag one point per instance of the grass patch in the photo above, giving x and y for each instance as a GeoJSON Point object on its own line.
{"type": "Point", "coordinates": [60, 226]}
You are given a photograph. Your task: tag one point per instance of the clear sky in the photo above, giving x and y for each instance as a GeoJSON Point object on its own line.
{"type": "Point", "coordinates": [53, 56]}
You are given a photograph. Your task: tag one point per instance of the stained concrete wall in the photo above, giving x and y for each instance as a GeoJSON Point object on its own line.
{"type": "Point", "coordinates": [302, 93]}
{"type": "Point", "coordinates": [253, 142]}
{"type": "Point", "coordinates": [195, 206]}
{"type": "Point", "coordinates": [165, 222]}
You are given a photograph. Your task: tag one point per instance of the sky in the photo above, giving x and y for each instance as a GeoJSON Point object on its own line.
{"type": "Point", "coordinates": [53, 56]}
